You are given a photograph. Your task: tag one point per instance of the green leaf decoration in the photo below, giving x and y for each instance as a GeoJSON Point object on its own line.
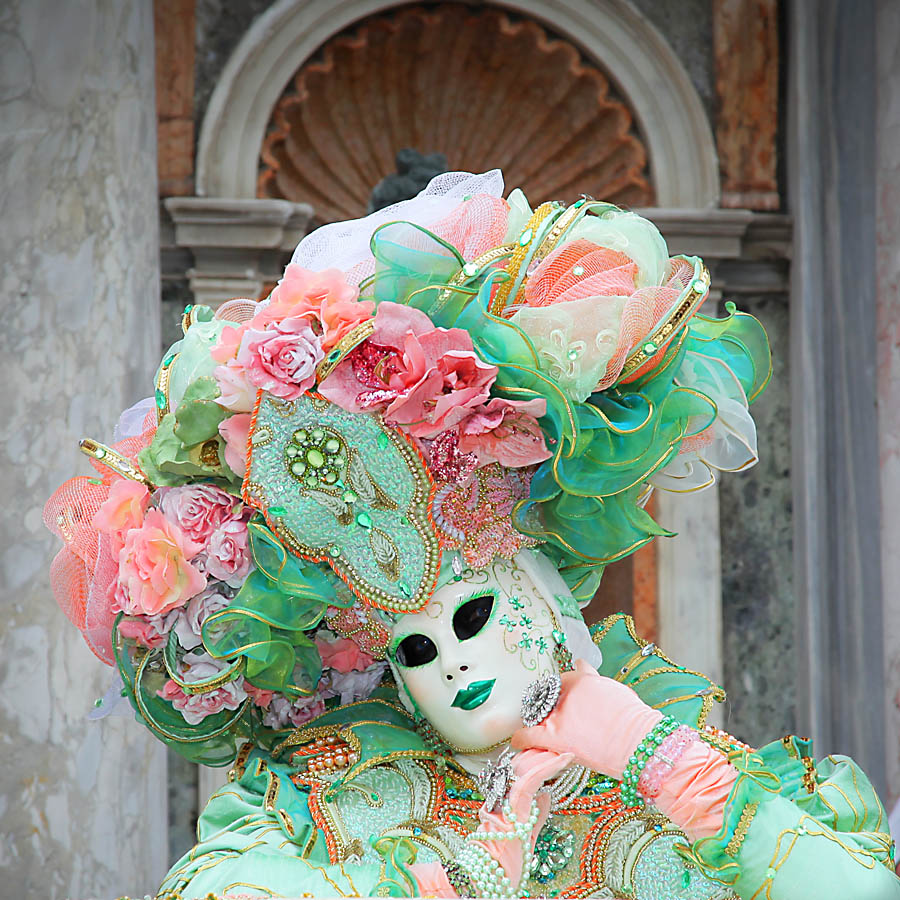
{"type": "Point", "coordinates": [198, 415]}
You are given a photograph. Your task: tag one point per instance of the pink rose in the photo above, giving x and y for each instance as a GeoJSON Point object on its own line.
{"type": "Point", "coordinates": [236, 432]}
{"type": "Point", "coordinates": [189, 621]}
{"type": "Point", "coordinates": [121, 511]}
{"type": "Point", "coordinates": [353, 686]}
{"type": "Point", "coordinates": [196, 707]}
{"type": "Point", "coordinates": [235, 391]}
{"type": "Point", "coordinates": [154, 572]}
{"type": "Point", "coordinates": [342, 654]}
{"type": "Point", "coordinates": [303, 293]}
{"type": "Point", "coordinates": [282, 712]}
{"type": "Point", "coordinates": [198, 510]}
{"type": "Point", "coordinates": [258, 696]}
{"type": "Point", "coordinates": [148, 631]}
{"type": "Point", "coordinates": [282, 359]}
{"type": "Point", "coordinates": [428, 379]}
{"type": "Point", "coordinates": [228, 553]}
{"type": "Point", "coordinates": [506, 431]}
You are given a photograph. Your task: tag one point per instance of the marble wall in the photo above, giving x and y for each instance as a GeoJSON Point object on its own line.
{"type": "Point", "coordinates": [82, 804]}
{"type": "Point", "coordinates": [888, 324]}
{"type": "Point", "coordinates": [758, 613]}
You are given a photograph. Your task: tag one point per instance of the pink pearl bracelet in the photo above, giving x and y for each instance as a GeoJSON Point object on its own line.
{"type": "Point", "coordinates": [663, 760]}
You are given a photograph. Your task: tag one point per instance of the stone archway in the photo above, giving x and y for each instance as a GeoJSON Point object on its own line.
{"type": "Point", "coordinates": [612, 33]}
{"type": "Point", "coordinates": [484, 89]}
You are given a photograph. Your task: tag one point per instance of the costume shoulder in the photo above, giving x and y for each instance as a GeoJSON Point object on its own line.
{"type": "Point", "coordinates": [680, 692]}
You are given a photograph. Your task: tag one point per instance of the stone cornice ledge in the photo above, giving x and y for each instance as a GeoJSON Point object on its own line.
{"type": "Point", "coordinates": [237, 244]}
{"type": "Point", "coordinates": [222, 222]}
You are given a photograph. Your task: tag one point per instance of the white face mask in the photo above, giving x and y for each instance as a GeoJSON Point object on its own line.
{"type": "Point", "coordinates": [469, 655]}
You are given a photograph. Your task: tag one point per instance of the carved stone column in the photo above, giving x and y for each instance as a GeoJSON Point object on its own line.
{"type": "Point", "coordinates": [84, 803]}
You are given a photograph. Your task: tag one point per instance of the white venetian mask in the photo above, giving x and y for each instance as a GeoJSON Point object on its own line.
{"type": "Point", "coordinates": [468, 656]}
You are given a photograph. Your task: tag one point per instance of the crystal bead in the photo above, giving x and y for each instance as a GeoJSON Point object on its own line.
{"type": "Point", "coordinates": [348, 497]}
{"type": "Point", "coordinates": [317, 435]}
{"type": "Point", "coordinates": [650, 348]}
{"type": "Point", "coordinates": [470, 269]}
{"type": "Point", "coordinates": [298, 468]}
{"type": "Point", "coordinates": [300, 435]}
{"type": "Point", "coordinates": [578, 204]}
{"type": "Point", "coordinates": [573, 354]}
{"type": "Point", "coordinates": [698, 287]}
{"type": "Point", "coordinates": [382, 440]}
{"type": "Point", "coordinates": [169, 360]}
{"type": "Point", "coordinates": [332, 445]}
{"type": "Point", "coordinates": [334, 551]}
{"type": "Point", "coordinates": [525, 237]}
{"type": "Point", "coordinates": [578, 270]}
{"type": "Point", "coordinates": [315, 458]}
{"type": "Point", "coordinates": [160, 399]}
{"type": "Point", "coordinates": [277, 511]}
{"type": "Point", "coordinates": [404, 589]}
{"type": "Point", "coordinates": [364, 520]}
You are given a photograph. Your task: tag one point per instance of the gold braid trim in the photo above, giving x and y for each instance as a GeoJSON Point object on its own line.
{"type": "Point", "coordinates": [740, 832]}
{"type": "Point", "coordinates": [501, 298]}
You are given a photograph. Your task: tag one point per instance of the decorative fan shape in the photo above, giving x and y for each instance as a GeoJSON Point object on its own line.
{"type": "Point", "coordinates": [484, 89]}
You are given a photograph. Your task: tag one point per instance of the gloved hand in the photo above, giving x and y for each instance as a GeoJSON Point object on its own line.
{"type": "Point", "coordinates": [597, 720]}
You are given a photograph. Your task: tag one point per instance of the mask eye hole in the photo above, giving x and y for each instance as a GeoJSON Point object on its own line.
{"type": "Point", "coordinates": [415, 650]}
{"type": "Point", "coordinates": [472, 616]}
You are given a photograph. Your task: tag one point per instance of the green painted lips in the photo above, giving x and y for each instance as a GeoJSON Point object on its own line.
{"type": "Point", "coordinates": [474, 695]}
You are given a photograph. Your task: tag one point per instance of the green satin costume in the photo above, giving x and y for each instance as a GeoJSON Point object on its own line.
{"type": "Point", "coordinates": [793, 828]}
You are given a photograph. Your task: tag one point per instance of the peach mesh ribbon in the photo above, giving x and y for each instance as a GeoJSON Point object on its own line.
{"type": "Point", "coordinates": [581, 269]}
{"type": "Point", "coordinates": [83, 572]}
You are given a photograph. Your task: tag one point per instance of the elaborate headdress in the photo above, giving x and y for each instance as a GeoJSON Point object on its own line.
{"type": "Point", "coordinates": [450, 379]}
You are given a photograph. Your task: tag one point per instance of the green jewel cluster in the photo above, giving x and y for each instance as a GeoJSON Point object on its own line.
{"type": "Point", "coordinates": [315, 457]}
{"type": "Point", "coordinates": [552, 852]}
{"type": "Point", "coordinates": [641, 756]}
{"type": "Point", "coordinates": [598, 784]}
{"type": "Point", "coordinates": [455, 793]}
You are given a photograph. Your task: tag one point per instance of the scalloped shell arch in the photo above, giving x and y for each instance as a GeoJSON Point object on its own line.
{"type": "Point", "coordinates": [485, 89]}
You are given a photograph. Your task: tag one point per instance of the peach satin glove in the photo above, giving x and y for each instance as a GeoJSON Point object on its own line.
{"type": "Point", "coordinates": [601, 722]}
{"type": "Point", "coordinates": [598, 720]}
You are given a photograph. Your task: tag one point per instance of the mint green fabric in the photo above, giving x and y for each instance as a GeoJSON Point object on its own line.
{"type": "Point", "coordinates": [831, 844]}
{"type": "Point", "coordinates": [244, 849]}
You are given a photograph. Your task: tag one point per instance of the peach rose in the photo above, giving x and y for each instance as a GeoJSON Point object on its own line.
{"type": "Point", "coordinates": [154, 569]}
{"type": "Point", "coordinates": [122, 510]}
{"type": "Point", "coordinates": [236, 430]}
{"type": "Point", "coordinates": [303, 293]}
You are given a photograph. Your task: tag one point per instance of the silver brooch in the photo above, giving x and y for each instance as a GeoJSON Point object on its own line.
{"type": "Point", "coordinates": [539, 698]}
{"type": "Point", "coordinates": [495, 779]}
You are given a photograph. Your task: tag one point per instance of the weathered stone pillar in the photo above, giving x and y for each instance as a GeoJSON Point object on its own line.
{"type": "Point", "coordinates": [83, 804]}
{"type": "Point", "coordinates": [835, 472]}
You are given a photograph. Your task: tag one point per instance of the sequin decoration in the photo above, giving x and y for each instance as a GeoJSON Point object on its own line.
{"type": "Point", "coordinates": [660, 874]}
{"type": "Point", "coordinates": [350, 492]}
{"type": "Point", "coordinates": [474, 517]}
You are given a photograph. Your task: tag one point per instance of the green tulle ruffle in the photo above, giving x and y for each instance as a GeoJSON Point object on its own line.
{"type": "Point", "coordinates": [586, 501]}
